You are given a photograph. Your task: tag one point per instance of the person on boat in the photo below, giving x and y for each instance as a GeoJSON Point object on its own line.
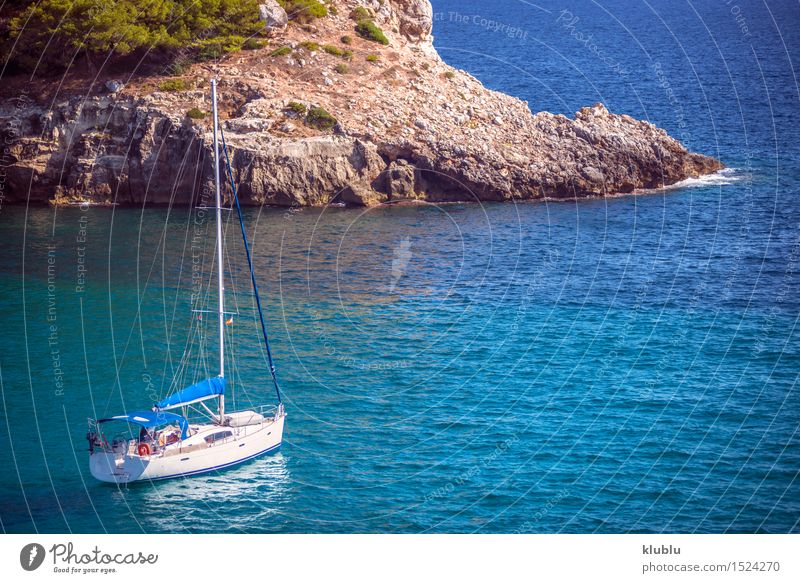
{"type": "Point", "coordinates": [166, 436]}
{"type": "Point", "coordinates": [174, 435]}
{"type": "Point", "coordinates": [146, 437]}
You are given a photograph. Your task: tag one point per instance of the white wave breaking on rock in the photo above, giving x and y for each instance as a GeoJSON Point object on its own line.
{"type": "Point", "coordinates": [720, 178]}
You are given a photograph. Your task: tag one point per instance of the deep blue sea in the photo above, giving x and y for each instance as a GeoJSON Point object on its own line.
{"type": "Point", "coordinates": [619, 365]}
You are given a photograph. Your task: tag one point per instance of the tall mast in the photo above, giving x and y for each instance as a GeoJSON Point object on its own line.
{"type": "Point", "coordinates": [220, 282]}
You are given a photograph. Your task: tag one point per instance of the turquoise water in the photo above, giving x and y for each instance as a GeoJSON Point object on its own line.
{"type": "Point", "coordinates": [616, 365]}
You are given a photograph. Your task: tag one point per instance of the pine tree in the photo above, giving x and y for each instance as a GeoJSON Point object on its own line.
{"type": "Point", "coordinates": [56, 33]}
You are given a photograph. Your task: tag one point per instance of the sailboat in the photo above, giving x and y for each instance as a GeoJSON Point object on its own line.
{"type": "Point", "coordinates": [168, 444]}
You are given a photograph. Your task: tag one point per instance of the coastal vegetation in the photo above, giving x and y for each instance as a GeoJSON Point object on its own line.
{"type": "Point", "coordinates": [296, 107]}
{"type": "Point", "coordinates": [338, 52]}
{"type": "Point", "coordinates": [360, 13]}
{"type": "Point", "coordinates": [51, 35]}
{"type": "Point", "coordinates": [318, 117]}
{"type": "Point", "coordinates": [253, 44]}
{"type": "Point", "coordinates": [369, 30]}
{"type": "Point", "coordinates": [333, 50]}
{"type": "Point", "coordinates": [303, 11]}
{"type": "Point", "coordinates": [215, 48]}
{"type": "Point", "coordinates": [309, 45]}
{"type": "Point", "coordinates": [173, 85]}
{"type": "Point", "coordinates": [281, 52]}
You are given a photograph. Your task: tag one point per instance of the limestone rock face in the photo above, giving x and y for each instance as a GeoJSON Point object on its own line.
{"type": "Point", "coordinates": [102, 150]}
{"type": "Point", "coordinates": [273, 16]}
{"type": "Point", "coordinates": [400, 180]}
{"type": "Point", "coordinates": [415, 18]}
{"type": "Point", "coordinates": [310, 171]}
{"type": "Point", "coordinates": [144, 155]}
{"type": "Point", "coordinates": [407, 127]}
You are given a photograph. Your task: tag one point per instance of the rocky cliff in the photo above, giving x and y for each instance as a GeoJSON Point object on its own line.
{"type": "Point", "coordinates": [404, 126]}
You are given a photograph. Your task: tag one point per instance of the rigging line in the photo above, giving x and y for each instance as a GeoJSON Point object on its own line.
{"type": "Point", "coordinates": [250, 265]}
{"type": "Point", "coordinates": [233, 344]}
{"type": "Point", "coordinates": [195, 332]}
{"type": "Point", "coordinates": [240, 393]}
{"type": "Point", "coordinates": [235, 376]}
{"type": "Point", "coordinates": [137, 316]}
{"type": "Point", "coordinates": [177, 370]}
{"type": "Point", "coordinates": [202, 369]}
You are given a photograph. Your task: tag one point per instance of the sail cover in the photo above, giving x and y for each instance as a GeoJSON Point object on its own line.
{"type": "Point", "coordinates": [194, 393]}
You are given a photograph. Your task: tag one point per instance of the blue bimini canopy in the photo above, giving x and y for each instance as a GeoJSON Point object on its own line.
{"type": "Point", "coordinates": [152, 419]}
{"type": "Point", "coordinates": [194, 393]}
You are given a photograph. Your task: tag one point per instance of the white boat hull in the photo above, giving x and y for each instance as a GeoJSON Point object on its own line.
{"type": "Point", "coordinates": [191, 456]}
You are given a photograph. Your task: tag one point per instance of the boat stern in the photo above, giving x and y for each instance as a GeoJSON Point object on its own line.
{"type": "Point", "coordinates": [115, 468]}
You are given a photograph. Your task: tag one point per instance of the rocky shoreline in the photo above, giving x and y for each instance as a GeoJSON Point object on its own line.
{"type": "Point", "coordinates": [404, 127]}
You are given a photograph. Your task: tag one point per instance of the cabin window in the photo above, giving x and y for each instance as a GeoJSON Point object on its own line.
{"type": "Point", "coordinates": [218, 436]}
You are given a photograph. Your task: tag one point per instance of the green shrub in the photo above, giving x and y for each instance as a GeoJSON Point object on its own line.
{"type": "Point", "coordinates": [342, 69]}
{"type": "Point", "coordinates": [339, 52]}
{"type": "Point", "coordinates": [173, 85]}
{"type": "Point", "coordinates": [253, 44]}
{"type": "Point", "coordinates": [333, 50]}
{"type": "Point", "coordinates": [309, 45]}
{"type": "Point", "coordinates": [319, 118]}
{"type": "Point", "coordinates": [177, 68]}
{"type": "Point", "coordinates": [232, 43]}
{"type": "Point", "coordinates": [215, 48]}
{"type": "Point", "coordinates": [372, 58]}
{"type": "Point", "coordinates": [370, 31]}
{"type": "Point", "coordinates": [346, 40]}
{"type": "Point", "coordinates": [281, 52]}
{"type": "Point", "coordinates": [360, 13]}
{"type": "Point", "coordinates": [195, 113]}
{"type": "Point", "coordinates": [296, 107]}
{"type": "Point", "coordinates": [303, 11]}
{"type": "Point", "coordinates": [450, 75]}
{"type": "Point", "coordinates": [210, 51]}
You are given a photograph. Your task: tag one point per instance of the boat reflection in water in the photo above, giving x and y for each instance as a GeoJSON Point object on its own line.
{"type": "Point", "coordinates": [254, 497]}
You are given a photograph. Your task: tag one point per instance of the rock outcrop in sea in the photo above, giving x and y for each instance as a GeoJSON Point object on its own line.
{"type": "Point", "coordinates": [403, 126]}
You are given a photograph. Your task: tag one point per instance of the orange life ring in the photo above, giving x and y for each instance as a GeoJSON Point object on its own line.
{"type": "Point", "coordinates": [143, 449]}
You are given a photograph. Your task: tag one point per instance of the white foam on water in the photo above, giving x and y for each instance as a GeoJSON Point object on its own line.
{"type": "Point", "coordinates": [719, 178]}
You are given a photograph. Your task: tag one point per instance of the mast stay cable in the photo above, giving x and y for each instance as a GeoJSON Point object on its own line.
{"type": "Point", "coordinates": [250, 266]}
